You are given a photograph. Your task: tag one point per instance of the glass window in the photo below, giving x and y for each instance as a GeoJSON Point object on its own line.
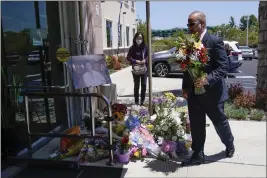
{"type": "Point", "coordinates": [120, 35]}
{"type": "Point", "coordinates": [109, 33]}
{"type": "Point", "coordinates": [127, 36]}
{"type": "Point", "coordinates": [18, 18]}
{"type": "Point", "coordinates": [132, 4]}
{"type": "Point", "coordinates": [42, 11]}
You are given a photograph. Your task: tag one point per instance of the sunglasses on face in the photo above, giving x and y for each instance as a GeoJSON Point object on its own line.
{"type": "Point", "coordinates": [192, 24]}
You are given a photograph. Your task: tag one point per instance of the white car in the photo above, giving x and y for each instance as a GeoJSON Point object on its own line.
{"type": "Point", "coordinates": [236, 51]}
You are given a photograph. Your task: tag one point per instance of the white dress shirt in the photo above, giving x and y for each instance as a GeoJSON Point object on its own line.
{"type": "Point", "coordinates": [202, 34]}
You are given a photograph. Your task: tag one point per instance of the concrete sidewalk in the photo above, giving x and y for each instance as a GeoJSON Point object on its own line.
{"type": "Point", "coordinates": [249, 160]}
{"type": "Point", "coordinates": [125, 86]}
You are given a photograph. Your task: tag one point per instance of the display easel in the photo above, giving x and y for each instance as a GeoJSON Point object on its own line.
{"type": "Point", "coordinates": [48, 94]}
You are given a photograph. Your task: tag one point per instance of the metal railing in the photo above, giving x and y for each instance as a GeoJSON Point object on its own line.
{"type": "Point", "coordinates": [108, 118]}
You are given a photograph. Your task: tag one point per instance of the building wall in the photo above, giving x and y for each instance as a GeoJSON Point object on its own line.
{"type": "Point", "coordinates": [110, 12]}
{"type": "Point", "coordinates": [81, 19]}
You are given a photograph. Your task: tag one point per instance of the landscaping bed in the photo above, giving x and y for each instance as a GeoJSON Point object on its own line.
{"type": "Point", "coordinates": [116, 63]}
{"type": "Point", "coordinates": [243, 105]}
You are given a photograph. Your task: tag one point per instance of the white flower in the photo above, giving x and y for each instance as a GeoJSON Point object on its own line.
{"type": "Point", "coordinates": [165, 128]}
{"type": "Point", "coordinates": [157, 128]}
{"type": "Point", "coordinates": [193, 57]}
{"type": "Point", "coordinates": [174, 138]}
{"type": "Point", "coordinates": [180, 99]}
{"type": "Point", "coordinates": [153, 117]}
{"type": "Point", "coordinates": [166, 111]}
{"type": "Point", "coordinates": [178, 120]}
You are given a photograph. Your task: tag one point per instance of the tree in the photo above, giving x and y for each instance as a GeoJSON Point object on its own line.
{"type": "Point", "coordinates": [251, 23]}
{"type": "Point", "coordinates": [232, 22]}
{"type": "Point", "coordinates": [141, 27]}
{"type": "Point", "coordinates": [178, 33]}
{"type": "Point", "coordinates": [262, 61]}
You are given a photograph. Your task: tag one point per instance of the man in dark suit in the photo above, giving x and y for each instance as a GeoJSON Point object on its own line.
{"type": "Point", "coordinates": [212, 101]}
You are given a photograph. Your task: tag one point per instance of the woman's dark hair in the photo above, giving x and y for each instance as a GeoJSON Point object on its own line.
{"type": "Point", "coordinates": [135, 36]}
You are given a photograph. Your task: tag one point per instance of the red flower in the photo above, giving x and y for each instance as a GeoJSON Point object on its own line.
{"type": "Point", "coordinates": [203, 57]}
{"type": "Point", "coordinates": [183, 66]}
{"type": "Point", "coordinates": [125, 140]}
{"type": "Point", "coordinates": [188, 51]}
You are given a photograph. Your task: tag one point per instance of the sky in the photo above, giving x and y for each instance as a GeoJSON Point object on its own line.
{"type": "Point", "coordinates": [171, 14]}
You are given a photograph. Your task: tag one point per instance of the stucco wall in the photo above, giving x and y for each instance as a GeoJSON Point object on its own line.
{"type": "Point", "coordinates": [110, 11]}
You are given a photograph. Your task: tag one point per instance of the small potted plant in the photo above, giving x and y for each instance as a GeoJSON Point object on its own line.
{"type": "Point", "coordinates": [124, 151]}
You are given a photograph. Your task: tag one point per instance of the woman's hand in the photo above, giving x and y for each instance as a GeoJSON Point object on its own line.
{"type": "Point", "coordinates": [138, 62]}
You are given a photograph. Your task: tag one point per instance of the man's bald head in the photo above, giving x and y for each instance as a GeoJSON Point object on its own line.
{"type": "Point", "coordinates": [197, 22]}
{"type": "Point", "coordinates": [200, 16]}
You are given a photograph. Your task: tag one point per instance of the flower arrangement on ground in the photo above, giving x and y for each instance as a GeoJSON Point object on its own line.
{"type": "Point", "coordinates": [192, 56]}
{"type": "Point", "coordinates": [168, 123]}
{"type": "Point", "coordinates": [139, 153]}
{"type": "Point", "coordinates": [125, 143]}
{"type": "Point", "coordinates": [141, 112]}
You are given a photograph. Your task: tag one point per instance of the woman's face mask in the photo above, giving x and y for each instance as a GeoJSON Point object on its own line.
{"type": "Point", "coordinates": [139, 41]}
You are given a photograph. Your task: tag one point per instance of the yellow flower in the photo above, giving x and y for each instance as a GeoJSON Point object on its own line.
{"type": "Point", "coordinates": [136, 154]}
{"type": "Point", "coordinates": [150, 127]}
{"type": "Point", "coordinates": [197, 45]}
{"type": "Point", "coordinates": [188, 144]}
{"type": "Point", "coordinates": [182, 51]}
{"type": "Point", "coordinates": [170, 95]}
{"type": "Point", "coordinates": [118, 116]}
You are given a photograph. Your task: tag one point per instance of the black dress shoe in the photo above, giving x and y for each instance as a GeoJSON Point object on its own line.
{"type": "Point", "coordinates": [230, 151]}
{"type": "Point", "coordinates": [196, 159]}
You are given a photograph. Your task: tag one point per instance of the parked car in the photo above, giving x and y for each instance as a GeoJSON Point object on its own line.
{"type": "Point", "coordinates": [161, 65]}
{"type": "Point", "coordinates": [12, 58]}
{"type": "Point", "coordinates": [235, 50]}
{"type": "Point", "coordinates": [34, 57]}
{"type": "Point", "coordinates": [247, 52]}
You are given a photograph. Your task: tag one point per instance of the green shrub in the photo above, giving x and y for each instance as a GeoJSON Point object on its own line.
{"type": "Point", "coordinates": [257, 115]}
{"type": "Point", "coordinates": [110, 60]}
{"type": "Point", "coordinates": [232, 112]}
{"type": "Point", "coordinates": [122, 60]}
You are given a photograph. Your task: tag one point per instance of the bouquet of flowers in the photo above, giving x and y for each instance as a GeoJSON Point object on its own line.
{"type": "Point", "coordinates": [141, 112]}
{"type": "Point", "coordinates": [125, 144]}
{"type": "Point", "coordinates": [139, 153]}
{"type": "Point", "coordinates": [168, 123]}
{"type": "Point", "coordinates": [192, 56]}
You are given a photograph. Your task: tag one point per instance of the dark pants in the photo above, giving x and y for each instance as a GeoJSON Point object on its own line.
{"type": "Point", "coordinates": [137, 79]}
{"type": "Point", "coordinates": [198, 107]}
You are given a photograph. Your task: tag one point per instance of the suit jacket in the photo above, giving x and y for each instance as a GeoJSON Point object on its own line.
{"type": "Point", "coordinates": [216, 70]}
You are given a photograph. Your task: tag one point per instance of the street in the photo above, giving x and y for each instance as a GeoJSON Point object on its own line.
{"type": "Point", "coordinates": [247, 76]}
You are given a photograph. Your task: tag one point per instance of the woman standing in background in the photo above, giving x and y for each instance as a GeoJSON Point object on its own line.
{"type": "Point", "coordinates": [137, 56]}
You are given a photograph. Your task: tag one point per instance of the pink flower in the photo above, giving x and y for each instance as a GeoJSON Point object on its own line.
{"type": "Point", "coordinates": [134, 149]}
{"type": "Point", "coordinates": [166, 148]}
{"type": "Point", "coordinates": [144, 152]}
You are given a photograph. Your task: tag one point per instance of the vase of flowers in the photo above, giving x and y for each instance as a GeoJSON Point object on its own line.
{"type": "Point", "coordinates": [124, 151]}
